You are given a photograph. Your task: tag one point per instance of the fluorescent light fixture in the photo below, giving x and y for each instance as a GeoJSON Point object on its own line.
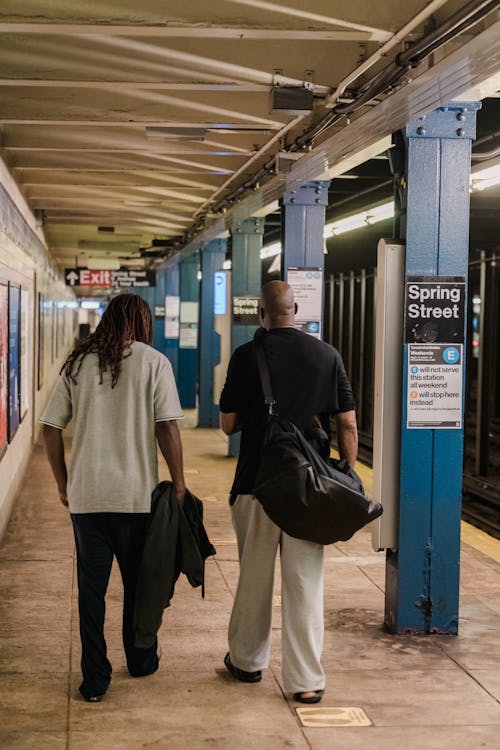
{"type": "Point", "coordinates": [485, 178]}
{"type": "Point", "coordinates": [88, 304]}
{"type": "Point", "coordinates": [275, 266]}
{"type": "Point", "coordinates": [269, 251]}
{"type": "Point", "coordinates": [175, 133]}
{"type": "Point", "coordinates": [347, 225]}
{"type": "Point", "coordinates": [357, 221]}
{"type": "Point", "coordinates": [380, 213]}
{"type": "Point", "coordinates": [480, 180]}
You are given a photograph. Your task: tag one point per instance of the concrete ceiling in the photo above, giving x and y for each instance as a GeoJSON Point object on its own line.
{"type": "Point", "coordinates": [84, 85]}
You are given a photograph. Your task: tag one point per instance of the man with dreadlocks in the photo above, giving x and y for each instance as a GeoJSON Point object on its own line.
{"type": "Point", "coordinates": [122, 397]}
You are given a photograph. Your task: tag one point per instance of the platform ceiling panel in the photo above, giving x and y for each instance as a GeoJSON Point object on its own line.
{"type": "Point", "coordinates": [147, 117]}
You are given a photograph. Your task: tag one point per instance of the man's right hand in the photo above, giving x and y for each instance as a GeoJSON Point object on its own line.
{"type": "Point", "coordinates": [63, 497]}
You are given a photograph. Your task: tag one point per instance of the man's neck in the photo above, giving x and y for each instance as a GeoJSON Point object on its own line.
{"type": "Point", "coordinates": [281, 323]}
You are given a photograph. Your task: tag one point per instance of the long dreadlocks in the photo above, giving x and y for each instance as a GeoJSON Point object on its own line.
{"type": "Point", "coordinates": [127, 318]}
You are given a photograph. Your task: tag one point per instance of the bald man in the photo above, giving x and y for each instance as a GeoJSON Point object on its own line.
{"type": "Point", "coordinates": [309, 380]}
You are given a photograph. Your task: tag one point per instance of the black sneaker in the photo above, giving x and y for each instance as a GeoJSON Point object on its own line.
{"type": "Point", "coordinates": [240, 674]}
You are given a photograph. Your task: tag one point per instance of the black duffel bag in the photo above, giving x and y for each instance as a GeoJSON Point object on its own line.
{"type": "Point", "coordinates": [306, 496]}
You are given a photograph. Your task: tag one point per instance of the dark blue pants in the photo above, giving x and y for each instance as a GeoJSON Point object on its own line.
{"type": "Point", "coordinates": [99, 537]}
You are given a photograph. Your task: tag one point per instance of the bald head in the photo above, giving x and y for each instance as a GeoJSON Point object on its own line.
{"type": "Point", "coordinates": [277, 305]}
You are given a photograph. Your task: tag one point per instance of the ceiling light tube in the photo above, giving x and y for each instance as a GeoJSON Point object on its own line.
{"type": "Point", "coordinates": [359, 220]}
{"type": "Point", "coordinates": [485, 178]}
{"type": "Point", "coordinates": [269, 251]}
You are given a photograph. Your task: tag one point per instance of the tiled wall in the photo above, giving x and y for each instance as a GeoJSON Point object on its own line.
{"type": "Point", "coordinates": [25, 262]}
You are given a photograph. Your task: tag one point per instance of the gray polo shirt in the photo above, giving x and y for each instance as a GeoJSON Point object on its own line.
{"type": "Point", "coordinates": [114, 455]}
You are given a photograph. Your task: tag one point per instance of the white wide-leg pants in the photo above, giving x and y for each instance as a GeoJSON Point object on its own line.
{"type": "Point", "coordinates": [301, 599]}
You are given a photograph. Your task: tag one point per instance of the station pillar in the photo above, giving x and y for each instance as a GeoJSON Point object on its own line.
{"type": "Point", "coordinates": [422, 575]}
{"type": "Point", "coordinates": [212, 258]}
{"type": "Point", "coordinates": [170, 324]}
{"type": "Point", "coordinates": [245, 289]}
{"type": "Point", "coordinates": [303, 221]}
{"type": "Point", "coordinates": [189, 290]}
{"type": "Point", "coordinates": [156, 297]}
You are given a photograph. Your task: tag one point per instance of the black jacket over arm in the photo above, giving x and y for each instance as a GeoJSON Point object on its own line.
{"type": "Point", "coordinates": [176, 542]}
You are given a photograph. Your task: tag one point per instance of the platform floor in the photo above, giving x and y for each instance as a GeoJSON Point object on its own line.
{"type": "Point", "coordinates": [429, 692]}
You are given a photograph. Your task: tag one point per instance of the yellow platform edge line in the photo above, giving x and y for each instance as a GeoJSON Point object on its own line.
{"type": "Point", "coordinates": [481, 541]}
{"type": "Point", "coordinates": [475, 538]}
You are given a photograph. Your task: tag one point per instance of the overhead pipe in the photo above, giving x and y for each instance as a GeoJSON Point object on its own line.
{"type": "Point", "coordinates": [395, 39]}
{"type": "Point", "coordinates": [389, 77]}
{"type": "Point", "coordinates": [484, 155]}
{"type": "Point", "coordinates": [458, 22]}
{"type": "Point", "coordinates": [382, 51]}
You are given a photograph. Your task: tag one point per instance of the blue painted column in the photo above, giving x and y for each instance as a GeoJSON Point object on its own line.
{"type": "Point", "coordinates": [170, 326]}
{"type": "Point", "coordinates": [189, 287]}
{"type": "Point", "coordinates": [303, 221]}
{"type": "Point", "coordinates": [212, 258]}
{"type": "Point", "coordinates": [245, 289]}
{"type": "Point", "coordinates": [155, 297]}
{"type": "Point", "coordinates": [423, 574]}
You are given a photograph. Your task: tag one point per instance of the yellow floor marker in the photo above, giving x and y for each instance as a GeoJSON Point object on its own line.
{"type": "Point", "coordinates": [341, 716]}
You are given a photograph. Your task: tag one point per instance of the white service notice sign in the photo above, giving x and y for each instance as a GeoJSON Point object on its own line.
{"type": "Point", "coordinates": [435, 386]}
{"type": "Point", "coordinates": [307, 285]}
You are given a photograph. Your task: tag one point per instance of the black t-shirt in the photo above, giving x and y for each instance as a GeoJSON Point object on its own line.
{"type": "Point", "coordinates": [308, 379]}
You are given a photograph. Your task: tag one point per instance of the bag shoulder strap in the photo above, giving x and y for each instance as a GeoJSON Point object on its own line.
{"type": "Point", "coordinates": [265, 377]}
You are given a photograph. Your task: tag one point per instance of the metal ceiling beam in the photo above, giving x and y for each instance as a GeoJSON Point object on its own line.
{"type": "Point", "coordinates": [201, 62]}
{"type": "Point", "coordinates": [307, 16]}
{"type": "Point", "coordinates": [143, 104]}
{"type": "Point", "coordinates": [243, 86]}
{"type": "Point", "coordinates": [165, 163]}
{"type": "Point", "coordinates": [195, 32]}
{"type": "Point", "coordinates": [120, 193]}
{"type": "Point", "coordinates": [176, 149]}
{"type": "Point", "coordinates": [65, 177]}
{"type": "Point", "coordinates": [225, 127]}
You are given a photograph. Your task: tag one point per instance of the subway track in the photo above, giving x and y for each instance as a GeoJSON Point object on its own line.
{"type": "Point", "coordinates": [481, 504]}
{"type": "Point", "coordinates": [480, 498]}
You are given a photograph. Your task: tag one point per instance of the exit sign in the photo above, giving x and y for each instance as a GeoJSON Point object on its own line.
{"type": "Point", "coordinates": [124, 279]}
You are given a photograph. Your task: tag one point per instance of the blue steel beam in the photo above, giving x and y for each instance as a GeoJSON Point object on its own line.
{"type": "Point", "coordinates": [245, 271]}
{"type": "Point", "coordinates": [245, 282]}
{"type": "Point", "coordinates": [423, 574]}
{"type": "Point", "coordinates": [212, 258]}
{"type": "Point", "coordinates": [155, 297]}
{"type": "Point", "coordinates": [189, 287]}
{"type": "Point", "coordinates": [303, 221]}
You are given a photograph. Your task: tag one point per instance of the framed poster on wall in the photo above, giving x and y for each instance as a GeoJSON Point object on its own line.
{"type": "Point", "coordinates": [4, 365]}
{"type": "Point", "coordinates": [14, 357]}
{"type": "Point", "coordinates": [23, 350]}
{"type": "Point", "coordinates": [40, 340]}
{"type": "Point", "coordinates": [53, 327]}
{"type": "Point", "coordinates": [57, 317]}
